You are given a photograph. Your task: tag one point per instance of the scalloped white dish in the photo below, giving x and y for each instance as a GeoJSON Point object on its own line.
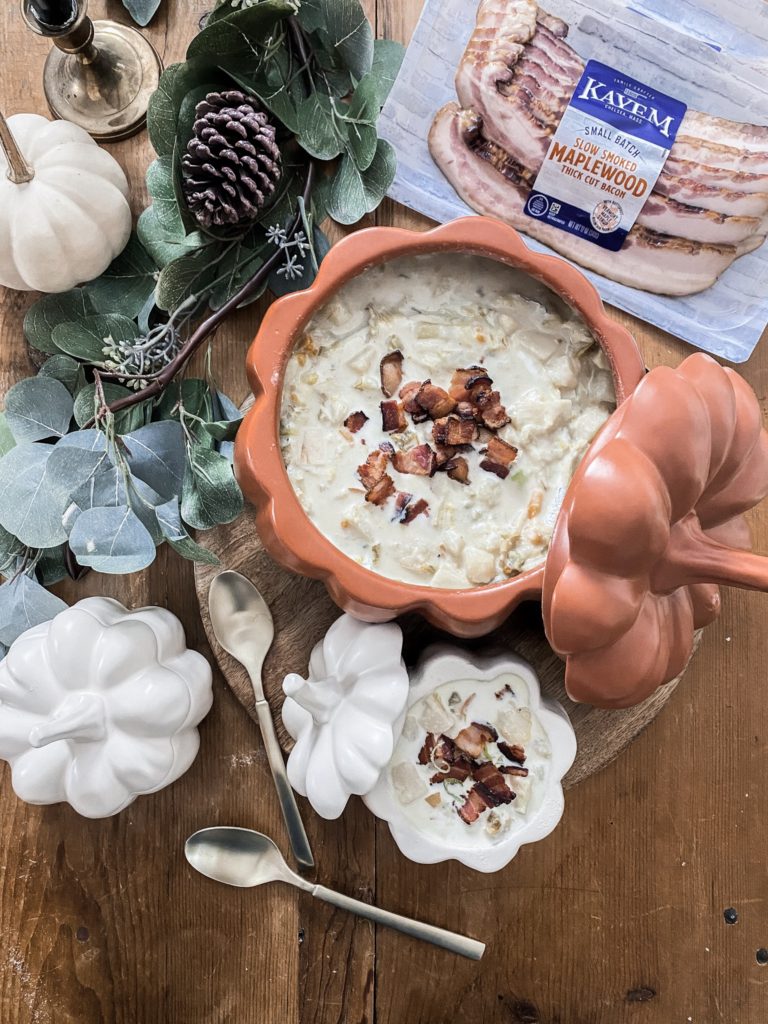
{"type": "Point", "coordinates": [456, 695]}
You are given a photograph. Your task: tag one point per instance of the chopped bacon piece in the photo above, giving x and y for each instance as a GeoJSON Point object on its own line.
{"type": "Point", "coordinates": [473, 806]}
{"type": "Point", "coordinates": [464, 381]}
{"type": "Point", "coordinates": [458, 469]}
{"type": "Point", "coordinates": [499, 457]}
{"type": "Point", "coordinates": [492, 412]}
{"type": "Point", "coordinates": [391, 370]}
{"type": "Point", "coordinates": [443, 455]}
{"type": "Point", "coordinates": [408, 393]}
{"type": "Point", "coordinates": [415, 510]}
{"type": "Point", "coordinates": [454, 430]}
{"type": "Point", "coordinates": [425, 754]}
{"type": "Point", "coordinates": [458, 770]}
{"type": "Point", "coordinates": [445, 750]}
{"type": "Point", "coordinates": [435, 400]}
{"type": "Point", "coordinates": [373, 469]}
{"type": "Point", "coordinates": [355, 421]}
{"type": "Point", "coordinates": [402, 501]}
{"type": "Point", "coordinates": [513, 752]}
{"type": "Point", "coordinates": [419, 461]}
{"type": "Point", "coordinates": [472, 739]}
{"type": "Point", "coordinates": [489, 776]}
{"type": "Point", "coordinates": [392, 417]}
{"type": "Point", "coordinates": [379, 493]}
{"type": "Point", "coordinates": [513, 769]}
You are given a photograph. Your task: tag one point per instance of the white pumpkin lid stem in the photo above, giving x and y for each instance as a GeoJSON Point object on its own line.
{"type": "Point", "coordinates": [79, 717]}
{"type": "Point", "coordinates": [320, 699]}
{"type": "Point", "coordinates": [19, 171]}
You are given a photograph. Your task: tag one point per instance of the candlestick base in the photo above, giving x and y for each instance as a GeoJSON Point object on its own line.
{"type": "Point", "coordinates": [106, 87]}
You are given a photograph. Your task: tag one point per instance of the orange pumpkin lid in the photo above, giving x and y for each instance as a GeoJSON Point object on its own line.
{"type": "Point", "coordinates": [652, 522]}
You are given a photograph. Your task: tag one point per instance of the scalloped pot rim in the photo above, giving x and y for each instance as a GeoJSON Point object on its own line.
{"type": "Point", "coordinates": [441, 664]}
{"type": "Point", "coordinates": [285, 529]}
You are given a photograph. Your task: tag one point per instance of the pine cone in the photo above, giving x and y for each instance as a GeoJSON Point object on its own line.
{"type": "Point", "coordinates": [232, 164]}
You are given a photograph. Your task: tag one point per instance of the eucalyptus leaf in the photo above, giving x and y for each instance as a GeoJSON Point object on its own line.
{"type": "Point", "coordinates": [91, 440]}
{"type": "Point", "coordinates": [163, 248]}
{"type": "Point", "coordinates": [156, 455]}
{"type": "Point", "coordinates": [231, 40]}
{"type": "Point", "coordinates": [387, 59]}
{"type": "Point", "coordinates": [37, 408]}
{"type": "Point", "coordinates": [169, 518]}
{"type": "Point", "coordinates": [188, 275]}
{"type": "Point", "coordinates": [354, 193]}
{"type": "Point", "coordinates": [344, 28]}
{"type": "Point", "coordinates": [45, 314]}
{"type": "Point", "coordinates": [126, 420]}
{"type": "Point", "coordinates": [24, 604]}
{"type": "Point", "coordinates": [88, 339]}
{"type": "Point", "coordinates": [112, 540]}
{"type": "Point", "coordinates": [36, 481]}
{"type": "Point", "coordinates": [191, 393]}
{"type": "Point", "coordinates": [10, 548]}
{"type": "Point", "coordinates": [7, 440]}
{"type": "Point", "coordinates": [320, 131]}
{"type": "Point", "coordinates": [361, 118]}
{"type": "Point", "coordinates": [210, 494]}
{"type": "Point", "coordinates": [235, 270]}
{"type": "Point", "coordinates": [163, 109]}
{"type": "Point", "coordinates": [126, 284]}
{"type": "Point", "coordinates": [65, 369]}
{"type": "Point", "coordinates": [142, 11]}
{"type": "Point", "coordinates": [111, 488]}
{"type": "Point", "coordinates": [164, 199]}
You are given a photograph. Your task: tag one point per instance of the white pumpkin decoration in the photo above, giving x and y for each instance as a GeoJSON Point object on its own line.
{"type": "Point", "coordinates": [100, 705]}
{"type": "Point", "coordinates": [346, 716]}
{"type": "Point", "coordinates": [64, 213]}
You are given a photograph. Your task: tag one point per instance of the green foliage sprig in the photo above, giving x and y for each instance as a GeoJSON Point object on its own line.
{"type": "Point", "coordinates": [111, 450]}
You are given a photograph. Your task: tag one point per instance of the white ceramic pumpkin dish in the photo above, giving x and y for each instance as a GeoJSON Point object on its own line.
{"type": "Point", "coordinates": [100, 705]}
{"type": "Point", "coordinates": [67, 223]}
{"type": "Point", "coordinates": [347, 714]}
{"type": "Point", "coordinates": [489, 712]}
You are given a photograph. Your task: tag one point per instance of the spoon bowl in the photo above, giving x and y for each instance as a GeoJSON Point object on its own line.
{"type": "Point", "coordinates": [236, 856]}
{"type": "Point", "coordinates": [241, 619]}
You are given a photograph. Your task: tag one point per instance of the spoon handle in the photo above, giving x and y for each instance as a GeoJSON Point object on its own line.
{"type": "Point", "coordinates": [416, 929]}
{"type": "Point", "coordinates": [296, 832]}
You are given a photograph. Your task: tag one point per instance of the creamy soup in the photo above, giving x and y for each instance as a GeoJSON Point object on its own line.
{"type": "Point", "coordinates": [472, 762]}
{"type": "Point", "coordinates": [433, 415]}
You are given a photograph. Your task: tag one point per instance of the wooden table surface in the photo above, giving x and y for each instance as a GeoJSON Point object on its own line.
{"type": "Point", "coordinates": [617, 917]}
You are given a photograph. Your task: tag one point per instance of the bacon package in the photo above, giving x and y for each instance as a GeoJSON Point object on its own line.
{"type": "Point", "coordinates": [634, 148]}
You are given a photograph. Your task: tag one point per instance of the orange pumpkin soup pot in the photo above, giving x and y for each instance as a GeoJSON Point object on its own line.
{"type": "Point", "coordinates": [285, 529]}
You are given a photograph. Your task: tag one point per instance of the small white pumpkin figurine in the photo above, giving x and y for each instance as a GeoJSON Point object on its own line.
{"type": "Point", "coordinates": [64, 213]}
{"type": "Point", "coordinates": [346, 716]}
{"type": "Point", "coordinates": [100, 705]}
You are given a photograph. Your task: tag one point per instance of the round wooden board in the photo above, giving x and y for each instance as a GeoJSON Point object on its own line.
{"type": "Point", "coordinates": [303, 611]}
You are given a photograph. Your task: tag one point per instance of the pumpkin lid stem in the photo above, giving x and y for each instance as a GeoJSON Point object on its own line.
{"type": "Point", "coordinates": [693, 557]}
{"type": "Point", "coordinates": [80, 716]}
{"type": "Point", "coordinates": [19, 171]}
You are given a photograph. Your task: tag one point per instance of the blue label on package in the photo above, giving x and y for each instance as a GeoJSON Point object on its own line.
{"type": "Point", "coordinates": [605, 157]}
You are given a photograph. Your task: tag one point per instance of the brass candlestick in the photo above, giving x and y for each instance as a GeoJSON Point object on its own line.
{"type": "Point", "coordinates": [100, 74]}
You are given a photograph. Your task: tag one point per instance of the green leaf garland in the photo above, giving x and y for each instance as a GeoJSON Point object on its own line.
{"type": "Point", "coordinates": [92, 469]}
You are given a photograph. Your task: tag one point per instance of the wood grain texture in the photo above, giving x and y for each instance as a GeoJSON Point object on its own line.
{"type": "Point", "coordinates": [602, 735]}
{"type": "Point", "coordinates": [616, 919]}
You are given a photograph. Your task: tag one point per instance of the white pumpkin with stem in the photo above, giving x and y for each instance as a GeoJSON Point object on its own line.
{"type": "Point", "coordinates": [64, 212]}
{"type": "Point", "coordinates": [346, 716]}
{"type": "Point", "coordinates": [100, 705]}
